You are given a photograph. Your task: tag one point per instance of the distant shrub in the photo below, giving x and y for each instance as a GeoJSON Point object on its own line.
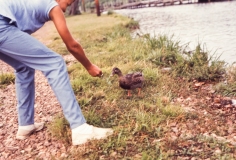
{"type": "Point", "coordinates": [201, 66]}
{"type": "Point", "coordinates": [110, 12]}
{"type": "Point", "coordinates": [197, 64]}
{"type": "Point", "coordinates": [164, 51]}
{"type": "Point", "coordinates": [132, 24]}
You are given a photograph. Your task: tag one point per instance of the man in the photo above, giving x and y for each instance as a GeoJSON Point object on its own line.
{"type": "Point", "coordinates": [19, 19]}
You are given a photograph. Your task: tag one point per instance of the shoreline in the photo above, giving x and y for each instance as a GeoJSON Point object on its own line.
{"type": "Point", "coordinates": [173, 119]}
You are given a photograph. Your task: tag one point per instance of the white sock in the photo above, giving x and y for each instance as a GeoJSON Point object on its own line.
{"type": "Point", "coordinates": [28, 127]}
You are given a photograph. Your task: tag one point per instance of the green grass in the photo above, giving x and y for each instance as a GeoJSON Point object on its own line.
{"type": "Point", "coordinates": [60, 129]}
{"type": "Point", "coordinates": [228, 86]}
{"type": "Point", "coordinates": [6, 79]}
{"type": "Point", "coordinates": [140, 123]}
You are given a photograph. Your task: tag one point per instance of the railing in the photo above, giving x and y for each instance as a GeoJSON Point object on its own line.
{"type": "Point", "coordinates": [156, 3]}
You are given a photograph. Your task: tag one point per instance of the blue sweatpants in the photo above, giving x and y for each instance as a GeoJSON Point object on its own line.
{"type": "Point", "coordinates": [26, 54]}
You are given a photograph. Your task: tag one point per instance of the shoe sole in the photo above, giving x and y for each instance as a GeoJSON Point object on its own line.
{"type": "Point", "coordinates": [85, 139]}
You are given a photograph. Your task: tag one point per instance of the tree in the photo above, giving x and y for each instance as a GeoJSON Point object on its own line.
{"type": "Point", "coordinates": [83, 5]}
{"type": "Point", "coordinates": [74, 8]}
{"type": "Point", "coordinates": [97, 7]}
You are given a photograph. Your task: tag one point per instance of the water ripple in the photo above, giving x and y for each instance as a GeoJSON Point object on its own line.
{"type": "Point", "coordinates": [211, 24]}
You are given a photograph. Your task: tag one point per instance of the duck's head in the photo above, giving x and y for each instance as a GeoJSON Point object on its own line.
{"type": "Point", "coordinates": [116, 71]}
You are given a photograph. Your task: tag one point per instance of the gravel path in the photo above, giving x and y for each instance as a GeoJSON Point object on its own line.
{"type": "Point", "coordinates": [38, 145]}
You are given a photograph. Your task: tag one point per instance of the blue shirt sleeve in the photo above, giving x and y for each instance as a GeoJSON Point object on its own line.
{"type": "Point", "coordinates": [28, 16]}
{"type": "Point", "coordinates": [44, 10]}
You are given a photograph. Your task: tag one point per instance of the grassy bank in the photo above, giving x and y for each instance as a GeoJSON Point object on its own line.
{"type": "Point", "coordinates": [182, 113]}
{"type": "Point", "coordinates": [172, 119]}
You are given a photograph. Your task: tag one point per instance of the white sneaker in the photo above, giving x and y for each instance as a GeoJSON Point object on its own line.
{"type": "Point", "coordinates": [85, 132]}
{"type": "Point", "coordinates": [25, 131]}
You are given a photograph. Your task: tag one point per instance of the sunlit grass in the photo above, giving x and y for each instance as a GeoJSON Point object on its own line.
{"type": "Point", "coordinates": [139, 122]}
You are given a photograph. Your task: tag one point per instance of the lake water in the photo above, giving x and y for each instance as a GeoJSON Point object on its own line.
{"type": "Point", "coordinates": [211, 24]}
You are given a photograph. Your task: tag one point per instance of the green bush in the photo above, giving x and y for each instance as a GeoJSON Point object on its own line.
{"type": "Point", "coordinates": [197, 64]}
{"type": "Point", "coordinates": [132, 24]}
{"type": "Point", "coordinates": [201, 66]}
{"type": "Point", "coordinates": [110, 12]}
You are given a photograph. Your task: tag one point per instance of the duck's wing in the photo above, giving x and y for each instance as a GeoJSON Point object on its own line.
{"type": "Point", "coordinates": [137, 80]}
{"type": "Point", "coordinates": [126, 81]}
{"type": "Point", "coordinates": [137, 75]}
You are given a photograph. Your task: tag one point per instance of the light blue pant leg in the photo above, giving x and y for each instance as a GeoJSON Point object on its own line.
{"type": "Point", "coordinates": [25, 90]}
{"type": "Point", "coordinates": [30, 52]}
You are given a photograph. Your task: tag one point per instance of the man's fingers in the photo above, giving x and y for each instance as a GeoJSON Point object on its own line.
{"type": "Point", "coordinates": [100, 75]}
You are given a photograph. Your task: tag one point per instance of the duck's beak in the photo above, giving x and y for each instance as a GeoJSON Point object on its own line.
{"type": "Point", "coordinates": [112, 74]}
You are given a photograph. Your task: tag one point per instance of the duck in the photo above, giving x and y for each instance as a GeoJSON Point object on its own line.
{"type": "Point", "coordinates": [129, 81]}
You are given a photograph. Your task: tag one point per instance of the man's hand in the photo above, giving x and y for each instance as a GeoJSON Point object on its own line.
{"type": "Point", "coordinates": [94, 71]}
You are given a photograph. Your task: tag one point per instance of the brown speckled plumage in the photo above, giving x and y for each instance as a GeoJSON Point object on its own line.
{"type": "Point", "coordinates": [129, 81]}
